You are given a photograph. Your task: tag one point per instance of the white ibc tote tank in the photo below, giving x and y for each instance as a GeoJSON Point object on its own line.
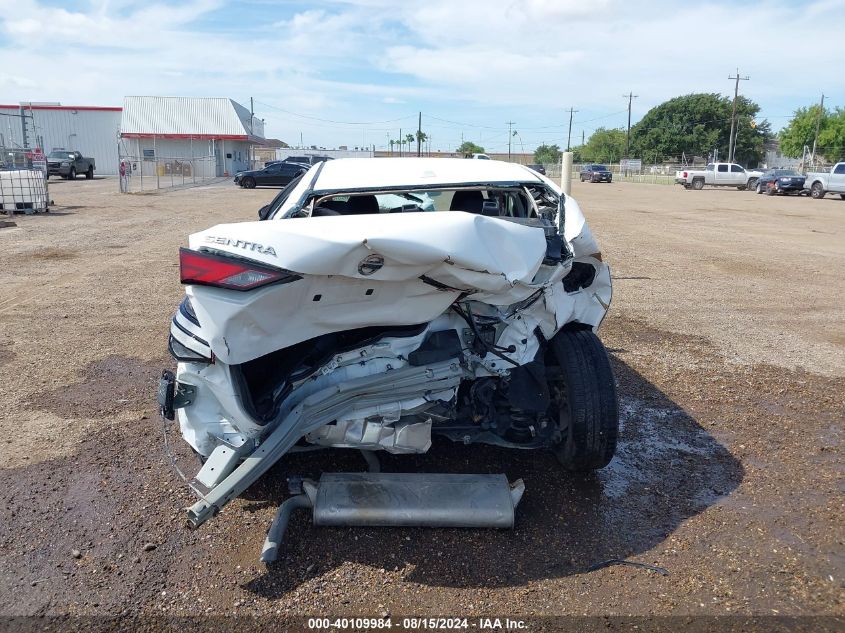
{"type": "Point", "coordinates": [23, 190]}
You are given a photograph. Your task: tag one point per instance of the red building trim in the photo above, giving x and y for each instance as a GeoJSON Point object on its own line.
{"type": "Point", "coordinates": [42, 107]}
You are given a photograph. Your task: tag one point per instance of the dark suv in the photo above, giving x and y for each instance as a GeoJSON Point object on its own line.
{"type": "Point", "coordinates": [300, 160]}
{"type": "Point", "coordinates": [596, 173]}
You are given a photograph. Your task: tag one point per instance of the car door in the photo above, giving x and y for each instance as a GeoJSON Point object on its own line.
{"type": "Point", "coordinates": [723, 174]}
{"type": "Point", "coordinates": [288, 172]}
{"type": "Point", "coordinates": [271, 175]}
{"type": "Point", "coordinates": [837, 179]}
{"type": "Point", "coordinates": [738, 175]}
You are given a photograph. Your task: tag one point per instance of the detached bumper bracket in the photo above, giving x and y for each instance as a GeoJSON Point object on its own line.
{"type": "Point", "coordinates": [173, 395]}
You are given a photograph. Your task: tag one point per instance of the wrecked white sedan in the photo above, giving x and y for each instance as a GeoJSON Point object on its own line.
{"type": "Point", "coordinates": [378, 302]}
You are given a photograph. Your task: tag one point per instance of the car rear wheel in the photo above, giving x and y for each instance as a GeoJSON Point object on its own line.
{"type": "Point", "coordinates": [248, 183]}
{"type": "Point", "coordinates": [752, 184]}
{"type": "Point", "coordinates": [584, 400]}
{"type": "Point", "coordinates": [89, 175]}
{"type": "Point", "coordinates": [698, 184]}
{"type": "Point", "coordinates": [72, 174]}
{"type": "Point", "coordinates": [759, 187]}
{"type": "Point", "coordinates": [817, 191]}
{"type": "Point", "coordinates": [842, 195]}
{"type": "Point", "coordinates": [770, 190]}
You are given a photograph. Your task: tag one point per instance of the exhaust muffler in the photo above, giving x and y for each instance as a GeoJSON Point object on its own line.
{"type": "Point", "coordinates": [401, 500]}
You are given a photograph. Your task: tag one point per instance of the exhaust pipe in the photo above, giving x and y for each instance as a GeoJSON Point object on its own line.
{"type": "Point", "coordinates": [401, 500]}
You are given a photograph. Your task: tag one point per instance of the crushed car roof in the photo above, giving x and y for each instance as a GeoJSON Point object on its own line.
{"type": "Point", "coordinates": [363, 173]}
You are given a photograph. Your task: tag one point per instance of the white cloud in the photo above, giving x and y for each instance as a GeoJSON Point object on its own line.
{"type": "Point", "coordinates": [356, 60]}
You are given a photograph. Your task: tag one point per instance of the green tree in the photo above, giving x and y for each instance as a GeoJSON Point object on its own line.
{"type": "Point", "coordinates": [420, 137]}
{"type": "Point", "coordinates": [468, 147]}
{"type": "Point", "coordinates": [547, 154]}
{"type": "Point", "coordinates": [697, 124]}
{"type": "Point", "coordinates": [802, 130]}
{"type": "Point", "coordinates": [604, 146]}
{"type": "Point", "coordinates": [832, 138]}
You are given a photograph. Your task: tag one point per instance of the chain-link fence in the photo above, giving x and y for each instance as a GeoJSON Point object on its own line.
{"type": "Point", "coordinates": [663, 174]}
{"type": "Point", "coordinates": [151, 173]}
{"type": "Point", "coordinates": [23, 181]}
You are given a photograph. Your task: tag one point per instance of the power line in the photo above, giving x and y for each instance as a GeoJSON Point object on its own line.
{"type": "Point", "coordinates": [818, 121]}
{"type": "Point", "coordinates": [510, 136]}
{"type": "Point", "coordinates": [569, 135]}
{"type": "Point", "coordinates": [732, 138]}
{"type": "Point", "coordinates": [631, 96]}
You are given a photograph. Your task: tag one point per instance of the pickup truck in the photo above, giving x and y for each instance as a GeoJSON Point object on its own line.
{"type": "Point", "coordinates": [68, 163]}
{"type": "Point", "coordinates": [820, 183]}
{"type": "Point", "coordinates": [718, 175]}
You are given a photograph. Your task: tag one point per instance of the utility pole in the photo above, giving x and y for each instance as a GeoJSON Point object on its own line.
{"type": "Point", "coordinates": [401, 142]}
{"type": "Point", "coordinates": [569, 136]}
{"type": "Point", "coordinates": [818, 121]}
{"type": "Point", "coordinates": [732, 137]}
{"type": "Point", "coordinates": [631, 96]}
{"type": "Point", "coordinates": [419, 135]}
{"type": "Point", "coordinates": [510, 135]}
{"type": "Point", "coordinates": [582, 138]}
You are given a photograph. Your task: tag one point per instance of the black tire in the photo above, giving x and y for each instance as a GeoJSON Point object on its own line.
{"type": "Point", "coordinates": [248, 183]}
{"type": "Point", "coordinates": [817, 191]}
{"type": "Point", "coordinates": [698, 184]}
{"type": "Point", "coordinates": [586, 403]}
{"type": "Point", "coordinates": [759, 187]}
{"type": "Point", "coordinates": [72, 174]}
{"type": "Point", "coordinates": [89, 175]}
{"type": "Point", "coordinates": [842, 195]}
{"type": "Point", "coordinates": [770, 191]}
{"type": "Point", "coordinates": [751, 185]}
{"type": "Point", "coordinates": [741, 188]}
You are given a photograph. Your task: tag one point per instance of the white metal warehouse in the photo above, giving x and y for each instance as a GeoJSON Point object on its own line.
{"type": "Point", "coordinates": [213, 135]}
{"type": "Point", "coordinates": [91, 130]}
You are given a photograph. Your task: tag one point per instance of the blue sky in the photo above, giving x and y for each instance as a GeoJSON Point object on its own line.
{"type": "Point", "coordinates": [353, 72]}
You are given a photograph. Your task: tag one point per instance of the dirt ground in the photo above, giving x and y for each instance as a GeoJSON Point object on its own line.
{"type": "Point", "coordinates": [727, 335]}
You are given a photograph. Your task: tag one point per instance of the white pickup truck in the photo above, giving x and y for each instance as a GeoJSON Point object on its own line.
{"type": "Point", "coordinates": [820, 183]}
{"type": "Point", "coordinates": [718, 175]}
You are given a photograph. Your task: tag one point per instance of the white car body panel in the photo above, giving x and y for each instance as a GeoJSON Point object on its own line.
{"type": "Point", "coordinates": [497, 265]}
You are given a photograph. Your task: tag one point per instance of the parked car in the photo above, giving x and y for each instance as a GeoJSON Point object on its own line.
{"type": "Point", "coordinates": [301, 160]}
{"type": "Point", "coordinates": [596, 173]}
{"type": "Point", "coordinates": [823, 183]}
{"type": "Point", "coordinates": [780, 181]}
{"type": "Point", "coordinates": [275, 174]}
{"type": "Point", "coordinates": [538, 168]}
{"type": "Point", "coordinates": [718, 175]}
{"type": "Point", "coordinates": [339, 323]}
{"type": "Point", "coordinates": [68, 164]}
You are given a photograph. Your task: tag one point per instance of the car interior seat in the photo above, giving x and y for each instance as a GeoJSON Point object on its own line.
{"type": "Point", "coordinates": [469, 201]}
{"type": "Point", "coordinates": [362, 205]}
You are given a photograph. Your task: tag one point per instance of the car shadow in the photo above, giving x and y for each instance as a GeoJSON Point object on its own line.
{"type": "Point", "coordinates": [667, 469]}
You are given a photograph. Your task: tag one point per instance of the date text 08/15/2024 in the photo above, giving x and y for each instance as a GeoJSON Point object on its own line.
{"type": "Point", "coordinates": [422, 623]}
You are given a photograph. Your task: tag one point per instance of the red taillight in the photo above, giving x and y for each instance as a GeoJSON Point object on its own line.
{"type": "Point", "coordinates": [685, 174]}
{"type": "Point", "coordinates": [227, 272]}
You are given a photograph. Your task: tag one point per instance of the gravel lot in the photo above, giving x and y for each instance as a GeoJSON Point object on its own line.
{"type": "Point", "coordinates": [727, 334]}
